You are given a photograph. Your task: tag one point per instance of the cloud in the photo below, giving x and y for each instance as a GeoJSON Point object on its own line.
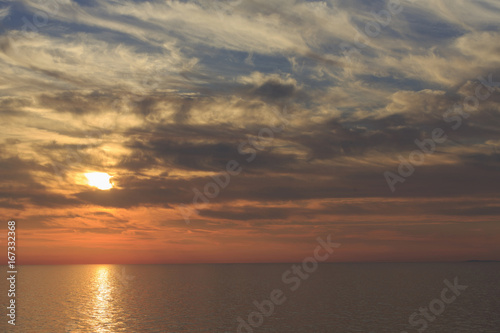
{"type": "Point", "coordinates": [162, 94]}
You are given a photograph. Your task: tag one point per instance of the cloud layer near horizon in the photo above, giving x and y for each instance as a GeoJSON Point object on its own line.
{"type": "Point", "coordinates": [163, 94]}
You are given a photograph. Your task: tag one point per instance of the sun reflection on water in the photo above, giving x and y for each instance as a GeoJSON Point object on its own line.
{"type": "Point", "coordinates": [103, 313]}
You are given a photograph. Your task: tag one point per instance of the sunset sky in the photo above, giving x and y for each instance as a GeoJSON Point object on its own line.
{"type": "Point", "coordinates": [311, 105]}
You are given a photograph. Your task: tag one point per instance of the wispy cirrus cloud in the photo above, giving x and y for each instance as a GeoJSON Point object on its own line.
{"type": "Point", "coordinates": [160, 94]}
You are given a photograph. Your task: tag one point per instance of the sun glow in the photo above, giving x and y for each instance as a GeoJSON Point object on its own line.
{"type": "Point", "coordinates": [99, 180]}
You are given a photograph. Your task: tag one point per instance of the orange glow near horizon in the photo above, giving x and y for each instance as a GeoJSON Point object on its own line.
{"type": "Point", "coordinates": [158, 235]}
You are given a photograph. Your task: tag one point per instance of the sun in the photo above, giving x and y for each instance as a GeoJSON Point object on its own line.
{"type": "Point", "coordinates": [99, 180]}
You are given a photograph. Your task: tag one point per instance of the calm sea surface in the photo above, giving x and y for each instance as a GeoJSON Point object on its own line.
{"type": "Point", "coordinates": [369, 298]}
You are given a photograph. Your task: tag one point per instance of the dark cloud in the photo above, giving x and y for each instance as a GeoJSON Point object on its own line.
{"type": "Point", "coordinates": [11, 204]}
{"type": "Point", "coordinates": [162, 99]}
{"type": "Point", "coordinates": [79, 103]}
{"type": "Point", "coordinates": [274, 89]}
{"type": "Point", "coordinates": [129, 198]}
{"type": "Point", "coordinates": [249, 213]}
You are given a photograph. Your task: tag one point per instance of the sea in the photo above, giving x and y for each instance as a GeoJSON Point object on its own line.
{"type": "Point", "coordinates": [248, 298]}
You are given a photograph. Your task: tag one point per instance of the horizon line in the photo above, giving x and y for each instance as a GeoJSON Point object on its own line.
{"type": "Point", "coordinates": [265, 263]}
